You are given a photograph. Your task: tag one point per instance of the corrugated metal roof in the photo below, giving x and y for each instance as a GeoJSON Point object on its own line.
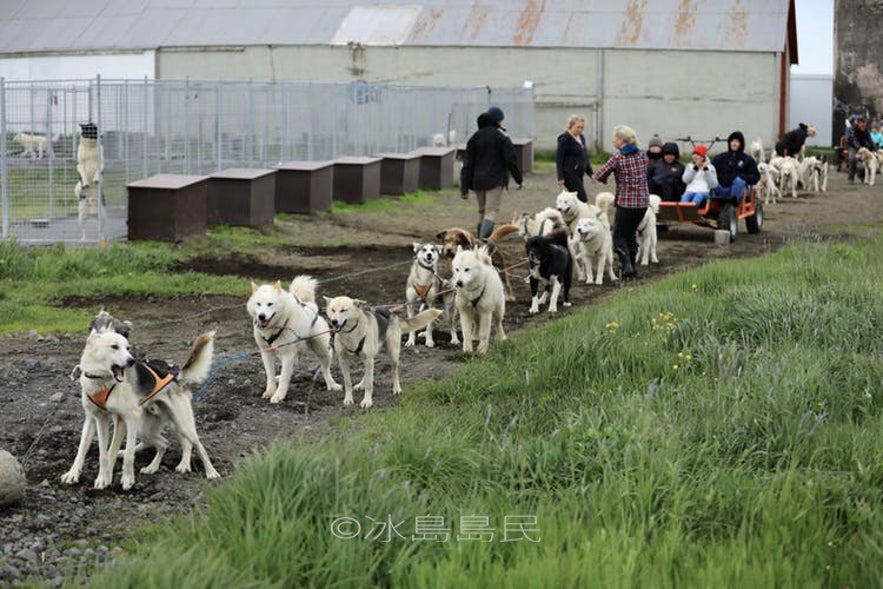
{"type": "Point", "coordinates": [28, 26]}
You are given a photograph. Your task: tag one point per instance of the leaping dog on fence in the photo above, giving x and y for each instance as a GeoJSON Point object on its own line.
{"type": "Point", "coordinates": [90, 166]}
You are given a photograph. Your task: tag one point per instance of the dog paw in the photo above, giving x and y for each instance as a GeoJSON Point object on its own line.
{"type": "Point", "coordinates": [128, 482]}
{"type": "Point", "coordinates": [149, 469]}
{"type": "Point", "coordinates": [348, 400]}
{"type": "Point", "coordinates": [277, 398]}
{"type": "Point", "coordinates": [455, 340]}
{"type": "Point", "coordinates": [553, 309]}
{"type": "Point", "coordinates": [183, 466]}
{"type": "Point", "coordinates": [366, 404]}
{"type": "Point", "coordinates": [101, 482]}
{"type": "Point", "coordinates": [359, 385]}
{"type": "Point", "coordinates": [268, 393]}
{"type": "Point", "coordinates": [70, 478]}
{"type": "Point", "coordinates": [333, 386]}
{"type": "Point", "coordinates": [212, 474]}
{"type": "Point", "coordinates": [533, 310]}
{"type": "Point", "coordinates": [430, 344]}
{"type": "Point", "coordinates": [409, 343]}
{"type": "Point", "coordinates": [567, 304]}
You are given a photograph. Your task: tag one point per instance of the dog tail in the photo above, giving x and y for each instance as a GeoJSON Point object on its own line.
{"type": "Point", "coordinates": [502, 231]}
{"type": "Point", "coordinates": [304, 288]}
{"type": "Point", "coordinates": [603, 200]}
{"type": "Point", "coordinates": [199, 364]}
{"type": "Point", "coordinates": [420, 320]}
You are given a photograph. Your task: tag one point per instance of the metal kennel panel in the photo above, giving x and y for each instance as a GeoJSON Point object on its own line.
{"type": "Point", "coordinates": [148, 127]}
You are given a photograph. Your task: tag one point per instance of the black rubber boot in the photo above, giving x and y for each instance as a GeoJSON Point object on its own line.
{"type": "Point", "coordinates": [626, 267]}
{"type": "Point", "coordinates": [485, 229]}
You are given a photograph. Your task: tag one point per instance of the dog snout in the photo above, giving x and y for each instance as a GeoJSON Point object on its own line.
{"type": "Point", "coordinates": [130, 361]}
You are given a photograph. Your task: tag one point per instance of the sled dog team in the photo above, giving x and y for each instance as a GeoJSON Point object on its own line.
{"type": "Point", "coordinates": [142, 397]}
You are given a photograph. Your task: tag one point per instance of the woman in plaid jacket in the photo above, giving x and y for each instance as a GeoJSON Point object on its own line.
{"type": "Point", "coordinates": [628, 164]}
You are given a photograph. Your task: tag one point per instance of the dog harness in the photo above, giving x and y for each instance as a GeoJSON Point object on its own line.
{"type": "Point", "coordinates": [474, 302]}
{"type": "Point", "coordinates": [148, 371]}
{"type": "Point", "coordinates": [422, 290]}
{"type": "Point", "coordinates": [382, 316]}
{"type": "Point", "coordinates": [539, 231]}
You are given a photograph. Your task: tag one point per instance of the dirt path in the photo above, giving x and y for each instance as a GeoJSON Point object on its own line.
{"type": "Point", "coordinates": [40, 414]}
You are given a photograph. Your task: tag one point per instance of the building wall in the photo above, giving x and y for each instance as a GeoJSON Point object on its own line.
{"type": "Point", "coordinates": [111, 66]}
{"type": "Point", "coordinates": [858, 58]}
{"type": "Point", "coordinates": [673, 93]}
{"type": "Point", "coordinates": [811, 98]}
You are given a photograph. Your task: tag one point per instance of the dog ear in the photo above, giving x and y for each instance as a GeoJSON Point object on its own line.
{"type": "Point", "coordinates": [76, 372]}
{"type": "Point", "coordinates": [327, 300]}
{"type": "Point", "coordinates": [437, 248]}
{"type": "Point", "coordinates": [358, 303]}
{"type": "Point", "coordinates": [441, 235]}
{"type": "Point", "coordinates": [416, 246]}
{"type": "Point", "coordinates": [459, 248]}
{"type": "Point", "coordinates": [278, 286]}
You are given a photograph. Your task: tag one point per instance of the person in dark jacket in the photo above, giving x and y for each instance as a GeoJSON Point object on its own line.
{"type": "Point", "coordinates": [572, 158]}
{"type": "Point", "coordinates": [736, 170]}
{"type": "Point", "coordinates": [488, 161]}
{"type": "Point", "coordinates": [654, 149]}
{"type": "Point", "coordinates": [793, 141]}
{"type": "Point", "coordinates": [665, 177]}
{"type": "Point", "coordinates": [857, 137]}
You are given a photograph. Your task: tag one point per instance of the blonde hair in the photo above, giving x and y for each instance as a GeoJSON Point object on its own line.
{"type": "Point", "coordinates": [572, 119]}
{"type": "Point", "coordinates": [625, 133]}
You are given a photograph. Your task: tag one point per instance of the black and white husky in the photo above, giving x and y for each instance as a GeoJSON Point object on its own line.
{"type": "Point", "coordinates": [550, 265]}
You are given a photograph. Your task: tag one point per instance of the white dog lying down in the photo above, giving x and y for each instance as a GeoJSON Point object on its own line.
{"type": "Point", "coordinates": [285, 324]}
{"type": "Point", "coordinates": [140, 401]}
{"type": "Point", "coordinates": [480, 298]}
{"type": "Point", "coordinates": [361, 331]}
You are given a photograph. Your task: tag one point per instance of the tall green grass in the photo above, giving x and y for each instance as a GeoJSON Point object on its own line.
{"type": "Point", "coordinates": [720, 428]}
{"type": "Point", "coordinates": [36, 282]}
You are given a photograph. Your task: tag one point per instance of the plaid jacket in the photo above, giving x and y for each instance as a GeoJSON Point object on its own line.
{"type": "Point", "coordinates": [630, 172]}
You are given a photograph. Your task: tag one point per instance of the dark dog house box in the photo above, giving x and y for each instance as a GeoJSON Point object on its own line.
{"type": "Point", "coordinates": [356, 179]}
{"type": "Point", "coordinates": [242, 196]}
{"type": "Point", "coordinates": [304, 187]}
{"type": "Point", "coordinates": [399, 173]}
{"type": "Point", "coordinates": [436, 167]}
{"type": "Point", "coordinates": [167, 207]}
{"type": "Point", "coordinates": [524, 153]}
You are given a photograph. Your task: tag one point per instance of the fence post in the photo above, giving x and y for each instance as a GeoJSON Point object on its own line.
{"type": "Point", "coordinates": [50, 154]}
{"type": "Point", "coordinates": [144, 169]}
{"type": "Point", "coordinates": [186, 133]}
{"type": "Point", "coordinates": [101, 201]}
{"type": "Point", "coordinates": [219, 154]}
{"type": "Point", "coordinates": [4, 171]}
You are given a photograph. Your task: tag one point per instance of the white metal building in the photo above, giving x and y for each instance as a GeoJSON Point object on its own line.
{"type": "Point", "coordinates": [673, 67]}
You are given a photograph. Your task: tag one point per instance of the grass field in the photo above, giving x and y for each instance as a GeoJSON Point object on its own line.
{"type": "Point", "coordinates": [716, 429]}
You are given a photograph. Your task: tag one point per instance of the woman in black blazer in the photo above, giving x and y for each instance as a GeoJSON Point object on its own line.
{"type": "Point", "coordinates": [571, 157]}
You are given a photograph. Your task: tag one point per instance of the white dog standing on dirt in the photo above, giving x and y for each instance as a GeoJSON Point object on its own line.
{"type": "Point", "coordinates": [360, 333]}
{"type": "Point", "coordinates": [425, 287]}
{"type": "Point", "coordinates": [593, 244]}
{"type": "Point", "coordinates": [286, 323]}
{"type": "Point", "coordinates": [90, 166]}
{"type": "Point", "coordinates": [647, 237]}
{"type": "Point", "coordinates": [113, 383]}
{"type": "Point", "coordinates": [480, 298]}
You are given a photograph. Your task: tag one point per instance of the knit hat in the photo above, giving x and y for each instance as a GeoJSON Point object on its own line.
{"type": "Point", "coordinates": [655, 141]}
{"type": "Point", "coordinates": [496, 114]}
{"type": "Point", "coordinates": [700, 150]}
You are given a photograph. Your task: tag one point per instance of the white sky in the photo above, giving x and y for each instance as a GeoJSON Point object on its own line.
{"type": "Point", "coordinates": [815, 37]}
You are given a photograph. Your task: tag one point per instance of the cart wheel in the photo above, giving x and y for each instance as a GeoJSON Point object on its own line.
{"type": "Point", "coordinates": [728, 221]}
{"type": "Point", "coordinates": [754, 223]}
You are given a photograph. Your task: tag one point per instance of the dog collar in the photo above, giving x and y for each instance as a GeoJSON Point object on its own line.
{"type": "Point", "coordinates": [430, 268]}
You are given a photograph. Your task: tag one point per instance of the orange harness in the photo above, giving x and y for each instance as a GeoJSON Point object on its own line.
{"type": "Point", "coordinates": [99, 399]}
{"type": "Point", "coordinates": [422, 289]}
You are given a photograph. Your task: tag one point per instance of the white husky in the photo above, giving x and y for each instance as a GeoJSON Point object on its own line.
{"type": "Point", "coordinates": [90, 165]}
{"type": "Point", "coordinates": [140, 402]}
{"type": "Point", "coordinates": [285, 323]}
{"type": "Point", "coordinates": [647, 237]}
{"type": "Point", "coordinates": [34, 144]}
{"type": "Point", "coordinates": [425, 287]}
{"type": "Point", "coordinates": [480, 298]}
{"type": "Point", "coordinates": [361, 332]}
{"type": "Point", "coordinates": [593, 244]}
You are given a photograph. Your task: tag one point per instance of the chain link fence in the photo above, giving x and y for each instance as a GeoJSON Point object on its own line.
{"type": "Point", "coordinates": [201, 127]}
